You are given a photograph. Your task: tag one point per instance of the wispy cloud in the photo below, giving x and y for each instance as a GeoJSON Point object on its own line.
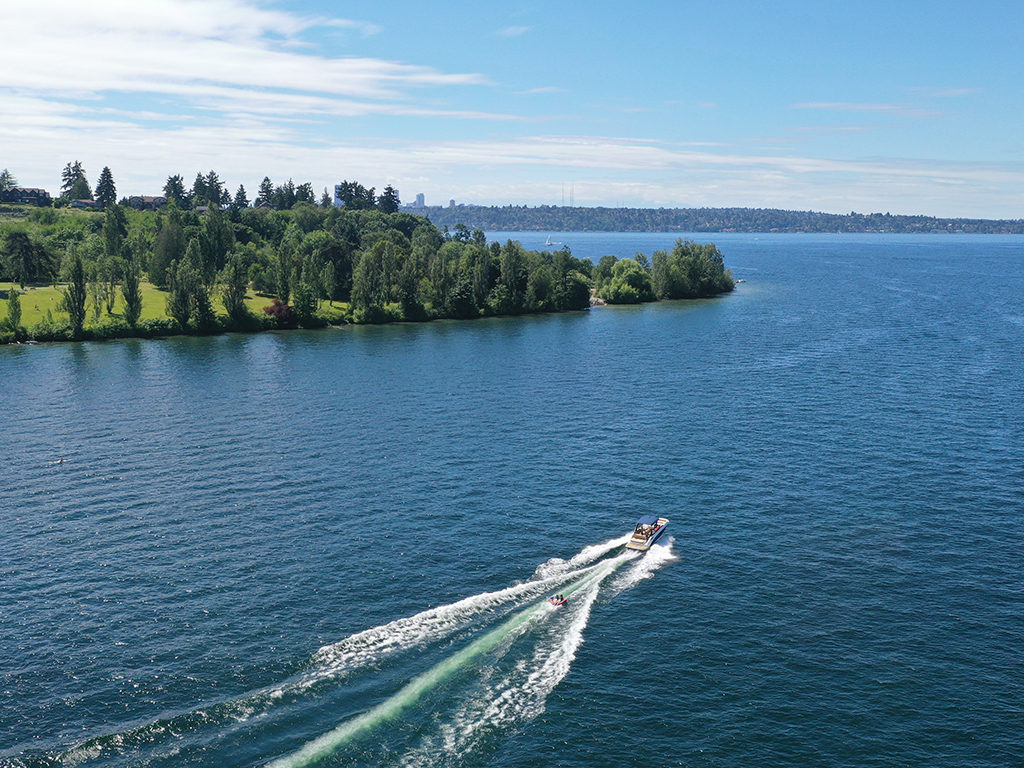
{"type": "Point", "coordinates": [900, 110]}
{"type": "Point", "coordinates": [512, 31]}
{"type": "Point", "coordinates": [364, 28]}
{"type": "Point", "coordinates": [545, 89]}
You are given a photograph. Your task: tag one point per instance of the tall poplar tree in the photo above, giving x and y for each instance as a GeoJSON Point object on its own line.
{"type": "Point", "coordinates": [130, 289]}
{"type": "Point", "coordinates": [13, 309]}
{"type": "Point", "coordinates": [75, 295]}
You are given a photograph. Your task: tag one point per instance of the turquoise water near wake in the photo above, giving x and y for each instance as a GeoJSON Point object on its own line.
{"type": "Point", "coordinates": [335, 547]}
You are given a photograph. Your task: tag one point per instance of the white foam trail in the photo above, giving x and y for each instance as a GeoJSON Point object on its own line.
{"type": "Point", "coordinates": [325, 745]}
{"type": "Point", "coordinates": [522, 693]}
{"type": "Point", "coordinates": [656, 557]}
{"type": "Point", "coordinates": [556, 566]}
{"type": "Point", "coordinates": [371, 645]}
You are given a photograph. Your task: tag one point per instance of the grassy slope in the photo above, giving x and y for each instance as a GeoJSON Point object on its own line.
{"type": "Point", "coordinates": [37, 300]}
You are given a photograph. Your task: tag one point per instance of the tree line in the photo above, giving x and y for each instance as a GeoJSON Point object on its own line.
{"type": "Point", "coordinates": [549, 218]}
{"type": "Point", "coordinates": [365, 262]}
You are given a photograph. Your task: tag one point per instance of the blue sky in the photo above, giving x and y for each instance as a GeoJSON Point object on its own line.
{"type": "Point", "coordinates": [907, 107]}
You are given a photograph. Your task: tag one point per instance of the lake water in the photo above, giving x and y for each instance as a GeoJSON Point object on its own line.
{"type": "Point", "coordinates": [334, 547]}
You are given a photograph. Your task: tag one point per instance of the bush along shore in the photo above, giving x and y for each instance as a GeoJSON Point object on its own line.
{"type": "Point", "coordinates": [118, 272]}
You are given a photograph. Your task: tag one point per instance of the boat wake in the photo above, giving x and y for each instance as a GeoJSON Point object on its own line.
{"type": "Point", "coordinates": [495, 657]}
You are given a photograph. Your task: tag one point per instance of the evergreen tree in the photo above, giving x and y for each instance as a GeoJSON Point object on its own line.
{"type": "Point", "coordinates": [284, 196]}
{"type": "Point", "coordinates": [388, 201]}
{"type": "Point", "coordinates": [106, 191]}
{"type": "Point", "coordinates": [174, 190]}
{"type": "Point", "coordinates": [7, 180]}
{"type": "Point", "coordinates": [72, 174]}
{"type": "Point", "coordinates": [200, 191]}
{"type": "Point", "coordinates": [214, 188]}
{"type": "Point", "coordinates": [81, 190]}
{"type": "Point", "coordinates": [304, 194]}
{"type": "Point", "coordinates": [326, 201]}
{"type": "Point", "coordinates": [241, 199]}
{"type": "Point", "coordinates": [266, 194]}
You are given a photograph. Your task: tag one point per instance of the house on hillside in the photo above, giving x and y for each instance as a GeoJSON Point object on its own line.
{"type": "Point", "coordinates": [147, 203]}
{"type": "Point", "coordinates": [94, 205]}
{"type": "Point", "coordinates": [26, 196]}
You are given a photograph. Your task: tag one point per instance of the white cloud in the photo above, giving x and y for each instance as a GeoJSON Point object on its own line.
{"type": "Point", "coordinates": [512, 31]}
{"type": "Point", "coordinates": [174, 46]}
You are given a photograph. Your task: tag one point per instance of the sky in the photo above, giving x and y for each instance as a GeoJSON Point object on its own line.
{"type": "Point", "coordinates": [903, 106]}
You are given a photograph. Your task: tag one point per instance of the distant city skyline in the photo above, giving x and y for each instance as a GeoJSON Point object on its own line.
{"type": "Point", "coordinates": [909, 108]}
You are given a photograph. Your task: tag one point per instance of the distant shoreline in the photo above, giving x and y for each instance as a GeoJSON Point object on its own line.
{"type": "Point", "coordinates": [548, 218]}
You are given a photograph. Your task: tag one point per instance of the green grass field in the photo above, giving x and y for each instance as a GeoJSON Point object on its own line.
{"type": "Point", "coordinates": [36, 301]}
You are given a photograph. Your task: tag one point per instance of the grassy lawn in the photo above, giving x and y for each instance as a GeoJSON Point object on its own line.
{"type": "Point", "coordinates": [37, 300]}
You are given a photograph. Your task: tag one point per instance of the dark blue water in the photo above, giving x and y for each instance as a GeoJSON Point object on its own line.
{"type": "Point", "coordinates": [334, 547]}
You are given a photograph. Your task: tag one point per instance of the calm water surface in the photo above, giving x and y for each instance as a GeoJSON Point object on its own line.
{"type": "Point", "coordinates": [334, 547]}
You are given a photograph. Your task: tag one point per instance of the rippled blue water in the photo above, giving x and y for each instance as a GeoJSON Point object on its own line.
{"type": "Point", "coordinates": [240, 549]}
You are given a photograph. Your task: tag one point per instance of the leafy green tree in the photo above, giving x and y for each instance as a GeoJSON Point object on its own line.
{"type": "Point", "coordinates": [115, 230]}
{"type": "Point", "coordinates": [329, 282]}
{"type": "Point", "coordinates": [217, 239]}
{"type": "Point", "coordinates": [106, 191]}
{"type": "Point", "coordinates": [130, 287]}
{"type": "Point", "coordinates": [283, 273]}
{"type": "Point", "coordinates": [188, 298]}
{"type": "Point", "coordinates": [630, 284]}
{"type": "Point", "coordinates": [169, 248]}
{"type": "Point", "coordinates": [575, 292]}
{"type": "Point", "coordinates": [179, 303]}
{"type": "Point", "coordinates": [75, 294]}
{"type": "Point", "coordinates": [602, 273]}
{"type": "Point", "coordinates": [234, 286]}
{"type": "Point", "coordinates": [691, 270]}
{"type": "Point", "coordinates": [513, 279]}
{"type": "Point", "coordinates": [304, 301]}
{"type": "Point", "coordinates": [108, 277]}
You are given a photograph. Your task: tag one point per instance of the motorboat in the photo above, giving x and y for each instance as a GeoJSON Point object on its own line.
{"type": "Point", "coordinates": [648, 530]}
